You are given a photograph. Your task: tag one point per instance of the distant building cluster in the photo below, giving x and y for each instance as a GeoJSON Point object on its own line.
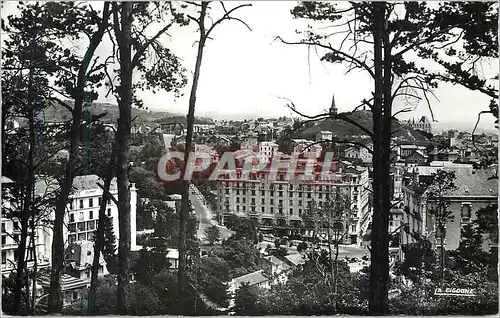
{"type": "Point", "coordinates": [421, 124]}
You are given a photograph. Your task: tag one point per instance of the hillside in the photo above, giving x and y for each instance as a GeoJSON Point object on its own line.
{"type": "Point", "coordinates": [57, 113]}
{"type": "Point", "coordinates": [342, 129]}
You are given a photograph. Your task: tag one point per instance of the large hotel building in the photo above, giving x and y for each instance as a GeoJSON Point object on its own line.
{"type": "Point", "coordinates": [279, 202]}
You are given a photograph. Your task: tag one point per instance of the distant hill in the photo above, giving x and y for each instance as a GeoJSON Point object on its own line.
{"type": "Point", "coordinates": [58, 113]}
{"type": "Point", "coordinates": [343, 129]}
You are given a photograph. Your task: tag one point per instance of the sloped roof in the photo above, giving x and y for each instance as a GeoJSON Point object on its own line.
{"type": "Point", "coordinates": [6, 180]}
{"type": "Point", "coordinates": [296, 259]}
{"type": "Point", "coordinates": [475, 182]}
{"type": "Point", "coordinates": [78, 253]}
{"type": "Point", "coordinates": [89, 182]}
{"type": "Point", "coordinates": [47, 185]}
{"type": "Point", "coordinates": [67, 282]}
{"type": "Point", "coordinates": [254, 278]}
{"type": "Point", "coordinates": [274, 260]}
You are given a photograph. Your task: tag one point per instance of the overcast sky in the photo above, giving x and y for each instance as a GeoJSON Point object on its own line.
{"type": "Point", "coordinates": [244, 72]}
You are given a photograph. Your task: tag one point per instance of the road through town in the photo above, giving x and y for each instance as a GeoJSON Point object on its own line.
{"type": "Point", "coordinates": [204, 215]}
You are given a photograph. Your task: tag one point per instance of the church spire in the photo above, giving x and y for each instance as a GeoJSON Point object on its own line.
{"type": "Point", "coordinates": [333, 108]}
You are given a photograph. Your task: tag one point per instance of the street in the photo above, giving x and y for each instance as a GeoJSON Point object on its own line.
{"type": "Point", "coordinates": [204, 215]}
{"type": "Point", "coordinates": [349, 251]}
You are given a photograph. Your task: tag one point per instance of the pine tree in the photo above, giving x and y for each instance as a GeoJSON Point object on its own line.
{"type": "Point", "coordinates": [109, 248]}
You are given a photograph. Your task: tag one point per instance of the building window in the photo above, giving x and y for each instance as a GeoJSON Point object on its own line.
{"type": "Point", "coordinates": [75, 296]}
{"type": "Point", "coordinates": [300, 202]}
{"type": "Point", "coordinates": [72, 227]}
{"type": "Point", "coordinates": [353, 228]}
{"type": "Point", "coordinates": [16, 238]}
{"type": "Point", "coordinates": [272, 210]}
{"type": "Point", "coordinates": [262, 209]}
{"type": "Point", "coordinates": [300, 212]}
{"type": "Point", "coordinates": [271, 201]}
{"type": "Point", "coordinates": [4, 258]}
{"type": "Point", "coordinates": [81, 216]}
{"type": "Point", "coordinates": [99, 201]}
{"type": "Point", "coordinates": [71, 204]}
{"type": "Point", "coordinates": [237, 208]}
{"type": "Point", "coordinates": [90, 236]}
{"type": "Point", "coordinates": [109, 201]}
{"type": "Point", "coordinates": [91, 202]}
{"type": "Point", "coordinates": [72, 238]}
{"type": "Point", "coordinates": [262, 201]}
{"type": "Point", "coordinates": [391, 223]}
{"type": "Point", "coordinates": [244, 208]}
{"type": "Point", "coordinates": [4, 239]}
{"type": "Point", "coordinates": [90, 225]}
{"type": "Point", "coordinates": [3, 227]}
{"type": "Point", "coordinates": [82, 236]}
{"type": "Point", "coordinates": [291, 211]}
{"type": "Point", "coordinates": [109, 212]}
{"type": "Point", "coordinates": [466, 212]}
{"type": "Point", "coordinates": [81, 204]}
{"type": "Point", "coordinates": [91, 215]}
{"type": "Point", "coordinates": [81, 226]}
{"type": "Point", "coordinates": [71, 218]}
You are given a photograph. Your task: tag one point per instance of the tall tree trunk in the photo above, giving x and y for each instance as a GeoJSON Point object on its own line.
{"type": "Point", "coordinates": [184, 213]}
{"type": "Point", "coordinates": [442, 249]}
{"type": "Point", "coordinates": [122, 157]}
{"type": "Point", "coordinates": [35, 262]}
{"type": "Point", "coordinates": [28, 199]}
{"type": "Point", "coordinates": [99, 239]}
{"type": "Point", "coordinates": [379, 270]}
{"type": "Point", "coordinates": [54, 300]}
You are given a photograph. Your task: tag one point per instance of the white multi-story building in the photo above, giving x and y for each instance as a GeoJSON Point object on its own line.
{"type": "Point", "coordinates": [268, 148]}
{"type": "Point", "coordinates": [11, 235]}
{"type": "Point", "coordinates": [306, 148]}
{"type": "Point", "coordinates": [324, 135]}
{"type": "Point", "coordinates": [249, 143]}
{"type": "Point", "coordinates": [83, 210]}
{"type": "Point", "coordinates": [80, 220]}
{"type": "Point", "coordinates": [280, 203]}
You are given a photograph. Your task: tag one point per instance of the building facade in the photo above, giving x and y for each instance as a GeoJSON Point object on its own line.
{"type": "Point", "coordinates": [475, 190]}
{"type": "Point", "coordinates": [280, 203]}
{"type": "Point", "coordinates": [80, 220]}
{"type": "Point", "coordinates": [83, 210]}
{"type": "Point", "coordinates": [422, 124]}
{"type": "Point", "coordinates": [268, 148]}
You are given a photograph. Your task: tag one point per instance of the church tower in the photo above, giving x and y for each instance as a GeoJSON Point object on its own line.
{"type": "Point", "coordinates": [333, 108]}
